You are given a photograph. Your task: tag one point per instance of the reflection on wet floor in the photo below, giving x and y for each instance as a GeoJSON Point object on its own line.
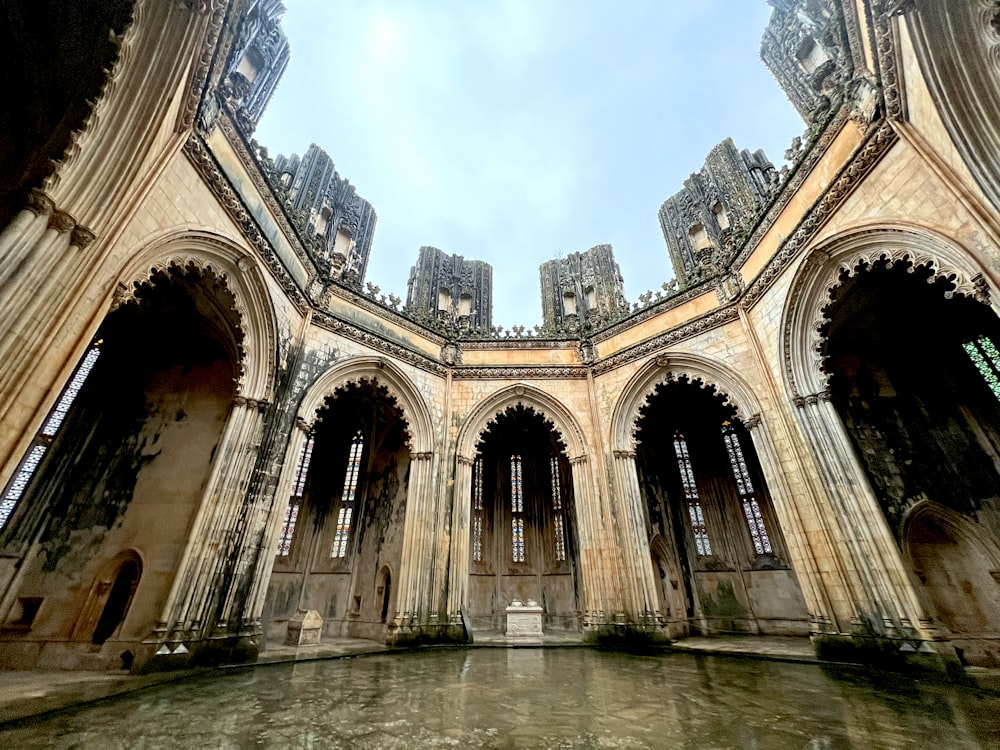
{"type": "Point", "coordinates": [529, 698]}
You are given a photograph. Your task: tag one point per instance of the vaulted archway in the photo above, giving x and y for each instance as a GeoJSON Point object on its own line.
{"type": "Point", "coordinates": [343, 525]}
{"type": "Point", "coordinates": [124, 460]}
{"type": "Point", "coordinates": [523, 544]}
{"type": "Point", "coordinates": [716, 546]}
{"type": "Point", "coordinates": [914, 375]}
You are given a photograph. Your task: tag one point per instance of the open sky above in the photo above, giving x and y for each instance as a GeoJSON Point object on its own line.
{"type": "Point", "coordinates": [516, 131]}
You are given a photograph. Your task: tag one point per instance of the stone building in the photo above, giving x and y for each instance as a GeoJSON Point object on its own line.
{"type": "Point", "coordinates": [337, 224]}
{"type": "Point", "coordinates": [705, 223]}
{"type": "Point", "coordinates": [451, 288]}
{"type": "Point", "coordinates": [581, 288]}
{"type": "Point", "coordinates": [209, 441]}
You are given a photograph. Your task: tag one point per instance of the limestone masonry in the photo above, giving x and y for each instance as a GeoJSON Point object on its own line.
{"type": "Point", "coordinates": [216, 434]}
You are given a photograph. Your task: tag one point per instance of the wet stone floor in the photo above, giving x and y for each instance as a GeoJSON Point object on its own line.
{"type": "Point", "coordinates": [528, 698]}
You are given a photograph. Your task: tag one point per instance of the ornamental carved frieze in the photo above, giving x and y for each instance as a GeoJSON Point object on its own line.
{"type": "Point", "coordinates": [873, 149]}
{"type": "Point", "coordinates": [521, 373]}
{"type": "Point", "coordinates": [714, 319]}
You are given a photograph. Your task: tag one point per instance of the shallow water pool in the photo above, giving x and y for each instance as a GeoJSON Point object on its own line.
{"type": "Point", "coordinates": [528, 698]}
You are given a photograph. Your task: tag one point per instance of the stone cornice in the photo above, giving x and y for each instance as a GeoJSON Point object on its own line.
{"type": "Point", "coordinates": [790, 189]}
{"type": "Point", "coordinates": [864, 159]}
{"type": "Point", "coordinates": [707, 322]}
{"type": "Point", "coordinates": [266, 192]}
{"type": "Point", "coordinates": [201, 156]}
{"type": "Point", "coordinates": [657, 308]}
{"type": "Point", "coordinates": [516, 343]}
{"type": "Point", "coordinates": [199, 76]}
{"type": "Point", "coordinates": [519, 373]}
{"type": "Point", "coordinates": [329, 322]}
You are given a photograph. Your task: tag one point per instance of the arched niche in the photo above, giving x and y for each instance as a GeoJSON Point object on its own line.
{"type": "Point", "coordinates": [243, 277]}
{"type": "Point", "coordinates": [843, 256]}
{"type": "Point", "coordinates": [383, 372]}
{"type": "Point", "coordinates": [567, 433]}
{"type": "Point", "coordinates": [958, 566]}
{"type": "Point", "coordinates": [676, 366]}
{"type": "Point", "coordinates": [346, 516]}
{"type": "Point", "coordinates": [708, 516]}
{"type": "Point", "coordinates": [528, 396]}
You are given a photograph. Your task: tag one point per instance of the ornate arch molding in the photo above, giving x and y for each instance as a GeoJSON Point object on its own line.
{"type": "Point", "coordinates": [668, 368]}
{"type": "Point", "coordinates": [563, 421]}
{"type": "Point", "coordinates": [382, 372]}
{"type": "Point", "coordinates": [957, 45]}
{"type": "Point", "coordinates": [242, 277]}
{"type": "Point", "coordinates": [844, 256]}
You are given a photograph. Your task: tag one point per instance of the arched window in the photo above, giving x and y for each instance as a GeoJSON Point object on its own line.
{"type": "Point", "coordinates": [984, 355]}
{"type": "Point", "coordinates": [295, 501]}
{"type": "Point", "coordinates": [29, 464]}
{"type": "Point", "coordinates": [744, 488]}
{"type": "Point", "coordinates": [697, 515]}
{"type": "Point", "coordinates": [477, 507]}
{"type": "Point", "coordinates": [558, 529]}
{"type": "Point", "coordinates": [516, 510]}
{"type": "Point", "coordinates": [347, 497]}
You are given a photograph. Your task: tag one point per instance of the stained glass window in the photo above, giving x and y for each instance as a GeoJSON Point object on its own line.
{"type": "Point", "coordinates": [516, 509]}
{"type": "Point", "coordinates": [557, 510]}
{"type": "Point", "coordinates": [517, 535]}
{"type": "Point", "coordinates": [477, 539]}
{"type": "Point", "coordinates": [29, 464]}
{"type": "Point", "coordinates": [516, 494]}
{"type": "Point", "coordinates": [744, 488]}
{"type": "Point", "coordinates": [697, 515]}
{"type": "Point", "coordinates": [347, 497]}
{"type": "Point", "coordinates": [984, 355]}
{"type": "Point", "coordinates": [295, 501]}
{"type": "Point", "coordinates": [477, 504]}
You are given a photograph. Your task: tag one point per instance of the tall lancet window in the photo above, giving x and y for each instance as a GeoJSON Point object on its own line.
{"type": "Point", "coordinates": [744, 488]}
{"type": "Point", "coordinates": [558, 529]}
{"type": "Point", "coordinates": [39, 446]}
{"type": "Point", "coordinates": [346, 512]}
{"type": "Point", "coordinates": [697, 515]}
{"type": "Point", "coordinates": [984, 355]}
{"type": "Point", "coordinates": [516, 510]}
{"type": "Point", "coordinates": [477, 509]}
{"type": "Point", "coordinates": [295, 501]}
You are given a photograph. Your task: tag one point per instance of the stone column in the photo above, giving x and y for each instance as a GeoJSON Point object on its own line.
{"type": "Point", "coordinates": [458, 570]}
{"type": "Point", "coordinates": [274, 519]}
{"type": "Point", "coordinates": [641, 592]}
{"type": "Point", "coordinates": [218, 551]}
{"type": "Point", "coordinates": [788, 510]}
{"type": "Point", "coordinates": [866, 554]}
{"type": "Point", "coordinates": [416, 562]}
{"type": "Point", "coordinates": [594, 564]}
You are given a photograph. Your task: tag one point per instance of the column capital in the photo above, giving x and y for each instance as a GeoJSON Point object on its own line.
{"type": "Point", "coordinates": [752, 422]}
{"type": "Point", "coordinates": [39, 203]}
{"type": "Point", "coordinates": [61, 221]}
{"type": "Point", "coordinates": [421, 455]}
{"type": "Point", "coordinates": [624, 454]}
{"type": "Point", "coordinates": [465, 460]}
{"type": "Point", "coordinates": [575, 460]}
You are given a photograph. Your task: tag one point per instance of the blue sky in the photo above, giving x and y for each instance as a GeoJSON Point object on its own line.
{"type": "Point", "coordinates": [516, 131]}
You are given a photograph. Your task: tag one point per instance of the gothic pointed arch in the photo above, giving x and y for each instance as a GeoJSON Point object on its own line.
{"type": "Point", "coordinates": [844, 256]}
{"type": "Point", "coordinates": [256, 327]}
{"type": "Point", "coordinates": [562, 419]}
{"type": "Point", "coordinates": [677, 366]}
{"type": "Point", "coordinates": [384, 373]}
